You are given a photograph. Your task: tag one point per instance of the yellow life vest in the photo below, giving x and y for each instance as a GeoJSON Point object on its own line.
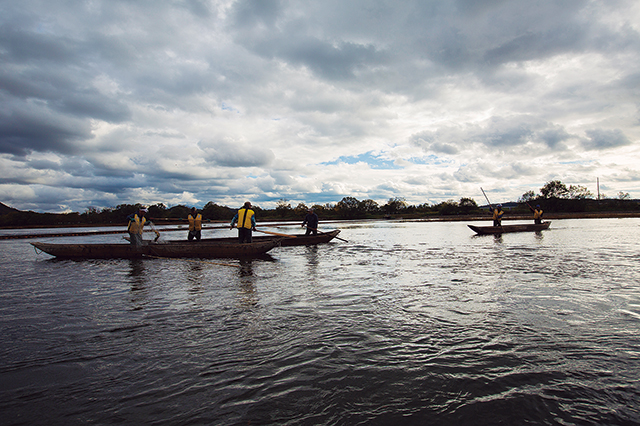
{"type": "Point", "coordinates": [195, 224]}
{"type": "Point", "coordinates": [537, 214]}
{"type": "Point", "coordinates": [136, 225]}
{"type": "Point", "coordinates": [244, 218]}
{"type": "Point", "coordinates": [497, 214]}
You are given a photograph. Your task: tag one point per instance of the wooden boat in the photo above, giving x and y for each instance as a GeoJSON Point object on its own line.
{"type": "Point", "coordinates": [230, 248]}
{"type": "Point", "coordinates": [285, 241]}
{"type": "Point", "coordinates": [509, 228]}
{"type": "Point", "coordinates": [304, 240]}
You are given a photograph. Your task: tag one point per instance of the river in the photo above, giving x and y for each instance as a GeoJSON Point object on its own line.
{"type": "Point", "coordinates": [412, 323]}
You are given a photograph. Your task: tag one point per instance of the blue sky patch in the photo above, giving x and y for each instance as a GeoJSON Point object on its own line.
{"type": "Point", "coordinates": [374, 161]}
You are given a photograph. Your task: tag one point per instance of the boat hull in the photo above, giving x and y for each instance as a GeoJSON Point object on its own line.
{"type": "Point", "coordinates": [304, 240]}
{"type": "Point", "coordinates": [530, 227]}
{"type": "Point", "coordinates": [287, 241]}
{"type": "Point", "coordinates": [228, 249]}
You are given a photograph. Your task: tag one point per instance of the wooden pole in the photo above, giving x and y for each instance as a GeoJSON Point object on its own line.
{"type": "Point", "coordinates": [336, 237]}
{"type": "Point", "coordinates": [276, 233]}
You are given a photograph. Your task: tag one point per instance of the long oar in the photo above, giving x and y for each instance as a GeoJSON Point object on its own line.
{"type": "Point", "coordinates": [485, 196]}
{"type": "Point", "coordinates": [153, 228]}
{"type": "Point", "coordinates": [532, 209]}
{"type": "Point", "coordinates": [275, 233]}
{"type": "Point", "coordinates": [336, 237]}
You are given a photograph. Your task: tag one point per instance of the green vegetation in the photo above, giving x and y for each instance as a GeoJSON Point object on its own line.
{"type": "Point", "coordinates": [554, 197]}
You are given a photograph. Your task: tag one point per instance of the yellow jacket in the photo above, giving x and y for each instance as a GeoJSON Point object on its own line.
{"type": "Point", "coordinates": [245, 218]}
{"type": "Point", "coordinates": [195, 223]}
{"type": "Point", "coordinates": [136, 224]}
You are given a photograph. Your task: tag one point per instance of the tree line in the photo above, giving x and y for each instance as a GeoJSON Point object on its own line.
{"type": "Point", "coordinates": [554, 196]}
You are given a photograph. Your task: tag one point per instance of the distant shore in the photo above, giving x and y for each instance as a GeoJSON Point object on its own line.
{"type": "Point", "coordinates": [547, 216]}
{"type": "Point", "coordinates": [448, 218]}
{"type": "Point", "coordinates": [180, 224]}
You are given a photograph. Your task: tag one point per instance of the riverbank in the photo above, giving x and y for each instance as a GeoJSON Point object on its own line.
{"type": "Point", "coordinates": [547, 216]}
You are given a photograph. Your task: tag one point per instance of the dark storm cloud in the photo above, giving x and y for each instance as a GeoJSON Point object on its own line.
{"type": "Point", "coordinates": [45, 100]}
{"type": "Point", "coordinates": [329, 60]}
{"type": "Point", "coordinates": [290, 41]}
{"type": "Point", "coordinates": [527, 31]}
{"type": "Point", "coordinates": [432, 142]}
{"type": "Point", "coordinates": [22, 132]}
{"type": "Point", "coordinates": [27, 47]}
{"type": "Point", "coordinates": [476, 7]}
{"type": "Point", "coordinates": [236, 154]}
{"type": "Point", "coordinates": [600, 139]}
{"type": "Point", "coordinates": [250, 14]}
{"type": "Point", "coordinates": [496, 133]}
{"type": "Point", "coordinates": [79, 167]}
{"type": "Point", "coordinates": [44, 165]}
{"type": "Point", "coordinates": [554, 137]}
{"type": "Point", "coordinates": [338, 39]}
{"type": "Point", "coordinates": [62, 94]}
{"type": "Point", "coordinates": [535, 46]}
{"type": "Point", "coordinates": [333, 61]}
{"type": "Point", "coordinates": [505, 132]}
{"type": "Point", "coordinates": [199, 8]}
{"type": "Point", "coordinates": [515, 131]}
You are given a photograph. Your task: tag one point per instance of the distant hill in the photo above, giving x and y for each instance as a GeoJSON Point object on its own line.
{"type": "Point", "coordinates": [4, 209]}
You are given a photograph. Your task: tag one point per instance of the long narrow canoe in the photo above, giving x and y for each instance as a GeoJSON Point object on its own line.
{"type": "Point", "coordinates": [304, 240]}
{"type": "Point", "coordinates": [192, 249]}
{"type": "Point", "coordinates": [509, 228]}
{"type": "Point", "coordinates": [285, 241]}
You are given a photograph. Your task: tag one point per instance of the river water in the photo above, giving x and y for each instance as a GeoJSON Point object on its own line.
{"type": "Point", "coordinates": [412, 323]}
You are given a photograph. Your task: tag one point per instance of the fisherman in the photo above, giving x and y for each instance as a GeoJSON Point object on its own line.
{"type": "Point", "coordinates": [136, 226]}
{"type": "Point", "coordinates": [497, 215]}
{"type": "Point", "coordinates": [311, 221]}
{"type": "Point", "coordinates": [245, 218]}
{"type": "Point", "coordinates": [537, 214]}
{"type": "Point", "coordinates": [195, 225]}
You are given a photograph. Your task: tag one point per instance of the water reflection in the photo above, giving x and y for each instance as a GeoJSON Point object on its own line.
{"type": "Point", "coordinates": [247, 291]}
{"type": "Point", "coordinates": [195, 273]}
{"type": "Point", "coordinates": [195, 279]}
{"type": "Point", "coordinates": [246, 268]}
{"type": "Point", "coordinates": [311, 255]}
{"type": "Point", "coordinates": [137, 275]}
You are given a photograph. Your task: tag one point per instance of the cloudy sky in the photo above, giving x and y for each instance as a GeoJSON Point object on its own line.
{"type": "Point", "coordinates": [104, 102]}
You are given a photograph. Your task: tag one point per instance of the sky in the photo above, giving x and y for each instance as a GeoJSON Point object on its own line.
{"type": "Point", "coordinates": [109, 102]}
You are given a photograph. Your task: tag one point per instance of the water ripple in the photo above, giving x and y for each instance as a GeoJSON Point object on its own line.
{"type": "Point", "coordinates": [408, 323]}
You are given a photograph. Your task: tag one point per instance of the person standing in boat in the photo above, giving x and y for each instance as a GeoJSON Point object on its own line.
{"type": "Point", "coordinates": [245, 218]}
{"type": "Point", "coordinates": [537, 214]}
{"type": "Point", "coordinates": [311, 221]}
{"type": "Point", "coordinates": [136, 226]}
{"type": "Point", "coordinates": [497, 215]}
{"type": "Point", "coordinates": [195, 225]}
